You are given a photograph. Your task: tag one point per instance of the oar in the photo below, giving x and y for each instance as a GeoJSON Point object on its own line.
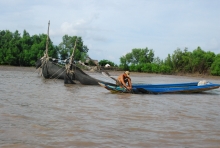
{"type": "Point", "coordinates": [108, 75]}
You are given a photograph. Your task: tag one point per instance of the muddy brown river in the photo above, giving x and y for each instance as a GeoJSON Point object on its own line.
{"type": "Point", "coordinates": [39, 113]}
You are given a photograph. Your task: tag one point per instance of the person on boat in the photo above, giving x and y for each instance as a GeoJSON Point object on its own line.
{"type": "Point", "coordinates": [124, 80]}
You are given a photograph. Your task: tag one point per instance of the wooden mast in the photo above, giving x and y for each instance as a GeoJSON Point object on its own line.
{"type": "Point", "coordinates": [46, 52]}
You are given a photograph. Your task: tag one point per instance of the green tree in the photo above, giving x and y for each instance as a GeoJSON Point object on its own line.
{"type": "Point", "coordinates": [147, 67]}
{"type": "Point", "coordinates": [104, 62]}
{"type": "Point", "coordinates": [67, 45]}
{"type": "Point", "coordinates": [168, 61]}
{"type": "Point", "coordinates": [209, 59]}
{"type": "Point", "coordinates": [201, 61]}
{"type": "Point", "coordinates": [18, 47]}
{"type": "Point", "coordinates": [215, 67]}
{"type": "Point", "coordinates": [9, 47]}
{"type": "Point", "coordinates": [155, 67]}
{"type": "Point", "coordinates": [187, 61]}
{"type": "Point", "coordinates": [23, 50]}
{"type": "Point", "coordinates": [138, 56]}
{"type": "Point", "coordinates": [26, 44]}
{"type": "Point", "coordinates": [177, 60]}
{"type": "Point", "coordinates": [157, 61]}
{"type": "Point", "coordinates": [165, 69]}
{"type": "Point", "coordinates": [5, 53]}
{"type": "Point", "coordinates": [124, 63]}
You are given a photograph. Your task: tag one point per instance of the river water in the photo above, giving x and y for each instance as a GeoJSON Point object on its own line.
{"type": "Point", "coordinates": [35, 112]}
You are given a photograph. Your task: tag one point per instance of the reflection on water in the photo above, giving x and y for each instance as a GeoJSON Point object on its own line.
{"type": "Point", "coordinates": [35, 112]}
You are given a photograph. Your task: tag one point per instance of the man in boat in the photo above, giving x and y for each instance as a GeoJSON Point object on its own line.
{"type": "Point", "coordinates": [124, 80]}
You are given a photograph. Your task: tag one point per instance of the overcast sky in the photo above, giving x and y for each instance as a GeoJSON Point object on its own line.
{"type": "Point", "coordinates": [112, 28]}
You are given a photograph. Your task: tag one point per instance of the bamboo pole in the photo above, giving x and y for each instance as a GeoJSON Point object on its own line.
{"type": "Point", "coordinates": [46, 52]}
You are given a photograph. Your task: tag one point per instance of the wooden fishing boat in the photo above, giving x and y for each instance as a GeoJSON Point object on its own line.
{"type": "Point", "coordinates": [191, 87]}
{"type": "Point", "coordinates": [51, 69]}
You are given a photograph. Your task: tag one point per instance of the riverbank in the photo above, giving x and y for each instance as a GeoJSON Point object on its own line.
{"type": "Point", "coordinates": [115, 73]}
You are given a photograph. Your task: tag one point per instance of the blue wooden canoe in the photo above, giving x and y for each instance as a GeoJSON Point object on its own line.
{"type": "Point", "coordinates": [191, 87]}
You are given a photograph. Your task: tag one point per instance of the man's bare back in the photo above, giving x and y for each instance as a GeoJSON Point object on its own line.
{"type": "Point", "coordinates": [125, 80]}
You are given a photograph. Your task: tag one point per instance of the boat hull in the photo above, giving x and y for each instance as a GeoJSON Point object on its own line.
{"type": "Point", "coordinates": [191, 87]}
{"type": "Point", "coordinates": [51, 70]}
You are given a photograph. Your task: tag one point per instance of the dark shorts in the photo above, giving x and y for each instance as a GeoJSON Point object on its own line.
{"type": "Point", "coordinates": [118, 83]}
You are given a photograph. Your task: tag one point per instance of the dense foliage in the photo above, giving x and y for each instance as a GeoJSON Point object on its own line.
{"type": "Point", "coordinates": [142, 60]}
{"type": "Point", "coordinates": [137, 60]}
{"type": "Point", "coordinates": [104, 62]}
{"type": "Point", "coordinates": [67, 45]}
{"type": "Point", "coordinates": [215, 67]}
{"type": "Point", "coordinates": [24, 50]}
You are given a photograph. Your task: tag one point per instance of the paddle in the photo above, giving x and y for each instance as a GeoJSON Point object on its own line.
{"type": "Point", "coordinates": [108, 75]}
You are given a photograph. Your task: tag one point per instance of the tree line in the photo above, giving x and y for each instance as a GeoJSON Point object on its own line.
{"type": "Point", "coordinates": [181, 61]}
{"type": "Point", "coordinates": [25, 50]}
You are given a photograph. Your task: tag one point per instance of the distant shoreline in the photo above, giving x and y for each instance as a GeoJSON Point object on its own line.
{"type": "Point", "coordinates": [142, 74]}
{"type": "Point", "coordinates": [114, 73]}
{"type": "Point", "coordinates": [17, 68]}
